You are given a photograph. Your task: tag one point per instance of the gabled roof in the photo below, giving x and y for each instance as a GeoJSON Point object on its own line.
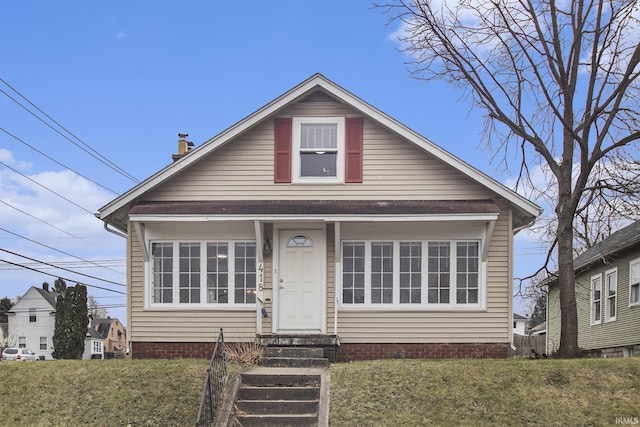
{"type": "Point", "coordinates": [518, 317]}
{"type": "Point", "coordinates": [524, 211]}
{"type": "Point", "coordinates": [624, 238]}
{"type": "Point", "coordinates": [49, 297]}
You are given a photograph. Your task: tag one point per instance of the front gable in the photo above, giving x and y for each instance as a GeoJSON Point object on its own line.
{"type": "Point", "coordinates": [257, 161]}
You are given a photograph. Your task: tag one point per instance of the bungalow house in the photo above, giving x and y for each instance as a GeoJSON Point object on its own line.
{"type": "Point", "coordinates": [320, 220]}
{"type": "Point", "coordinates": [32, 321]}
{"type": "Point", "coordinates": [607, 296]}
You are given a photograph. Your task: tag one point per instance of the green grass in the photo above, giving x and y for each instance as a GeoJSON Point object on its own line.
{"type": "Point", "coordinates": [379, 393]}
{"type": "Point", "coordinates": [513, 392]}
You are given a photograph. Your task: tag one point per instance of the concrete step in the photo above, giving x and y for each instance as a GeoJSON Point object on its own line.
{"type": "Point", "coordinates": [278, 393]}
{"type": "Point", "coordinates": [294, 362]}
{"type": "Point", "coordinates": [298, 420]}
{"type": "Point", "coordinates": [280, 380]}
{"type": "Point", "coordinates": [300, 352]}
{"type": "Point", "coordinates": [277, 407]}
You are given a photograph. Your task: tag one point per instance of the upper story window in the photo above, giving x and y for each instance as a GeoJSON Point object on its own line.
{"type": "Point", "coordinates": [611, 279]}
{"type": "Point", "coordinates": [186, 274]}
{"type": "Point", "coordinates": [634, 282]}
{"type": "Point", "coordinates": [596, 299]}
{"type": "Point", "coordinates": [318, 149]}
{"type": "Point", "coordinates": [32, 315]}
{"type": "Point", "coordinates": [412, 274]}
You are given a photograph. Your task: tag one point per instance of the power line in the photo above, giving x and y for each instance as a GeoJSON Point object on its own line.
{"type": "Point", "coordinates": [46, 188]}
{"type": "Point", "coordinates": [62, 268]}
{"type": "Point", "coordinates": [58, 250]}
{"type": "Point", "coordinates": [55, 161]}
{"type": "Point", "coordinates": [74, 264]}
{"type": "Point", "coordinates": [89, 150]}
{"type": "Point", "coordinates": [63, 278]}
{"type": "Point", "coordinates": [41, 220]}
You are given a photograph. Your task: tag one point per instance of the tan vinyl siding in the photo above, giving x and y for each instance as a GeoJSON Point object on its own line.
{"type": "Point", "coordinates": [244, 170]}
{"type": "Point", "coordinates": [392, 169]}
{"type": "Point", "coordinates": [180, 325]}
{"type": "Point", "coordinates": [492, 325]}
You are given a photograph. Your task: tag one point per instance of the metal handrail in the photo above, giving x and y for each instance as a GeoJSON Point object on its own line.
{"type": "Point", "coordinates": [214, 386]}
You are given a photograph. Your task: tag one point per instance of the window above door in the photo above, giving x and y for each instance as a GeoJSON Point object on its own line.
{"type": "Point", "coordinates": [318, 149]}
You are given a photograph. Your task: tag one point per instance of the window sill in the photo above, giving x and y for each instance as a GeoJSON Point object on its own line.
{"type": "Point", "coordinates": [200, 307]}
{"type": "Point", "coordinates": [410, 307]}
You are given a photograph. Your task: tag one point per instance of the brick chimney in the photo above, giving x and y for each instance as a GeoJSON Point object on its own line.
{"type": "Point", "coordinates": [45, 287]}
{"type": "Point", "coordinates": [184, 147]}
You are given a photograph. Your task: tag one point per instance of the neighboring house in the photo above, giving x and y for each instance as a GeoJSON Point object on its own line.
{"type": "Point", "coordinates": [113, 334]}
{"type": "Point", "coordinates": [320, 220]}
{"type": "Point", "coordinates": [32, 321]}
{"type": "Point", "coordinates": [607, 295]}
{"type": "Point", "coordinates": [93, 345]}
{"type": "Point", "coordinates": [519, 324]}
{"type": "Point", "coordinates": [104, 337]}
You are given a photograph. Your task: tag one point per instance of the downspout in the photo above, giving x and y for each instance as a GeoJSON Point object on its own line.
{"type": "Point", "coordinates": [106, 227]}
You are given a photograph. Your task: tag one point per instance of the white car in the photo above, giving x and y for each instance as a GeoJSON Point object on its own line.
{"type": "Point", "coordinates": [19, 354]}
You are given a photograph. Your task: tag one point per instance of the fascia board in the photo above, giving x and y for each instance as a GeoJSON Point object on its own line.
{"type": "Point", "coordinates": [326, 218]}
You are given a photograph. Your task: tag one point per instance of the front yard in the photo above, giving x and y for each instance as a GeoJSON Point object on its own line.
{"type": "Point", "coordinates": [378, 393]}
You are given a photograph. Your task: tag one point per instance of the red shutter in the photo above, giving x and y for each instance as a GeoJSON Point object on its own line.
{"type": "Point", "coordinates": [353, 152]}
{"type": "Point", "coordinates": [282, 150]}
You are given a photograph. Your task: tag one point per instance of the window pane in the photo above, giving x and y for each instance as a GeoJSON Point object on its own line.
{"type": "Point", "coordinates": [245, 275]}
{"type": "Point", "coordinates": [217, 270]}
{"type": "Point", "coordinates": [189, 262]}
{"type": "Point", "coordinates": [319, 136]}
{"type": "Point", "coordinates": [438, 277]}
{"type": "Point", "coordinates": [353, 272]}
{"type": "Point", "coordinates": [467, 272]}
{"type": "Point", "coordinates": [410, 272]}
{"type": "Point", "coordinates": [318, 163]}
{"type": "Point", "coordinates": [162, 273]}
{"type": "Point", "coordinates": [381, 269]}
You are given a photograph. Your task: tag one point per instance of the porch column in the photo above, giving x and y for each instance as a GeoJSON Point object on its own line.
{"type": "Point", "coordinates": [338, 275]}
{"type": "Point", "coordinates": [259, 276]}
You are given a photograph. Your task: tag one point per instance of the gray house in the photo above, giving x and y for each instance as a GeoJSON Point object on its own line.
{"type": "Point", "coordinates": [608, 297]}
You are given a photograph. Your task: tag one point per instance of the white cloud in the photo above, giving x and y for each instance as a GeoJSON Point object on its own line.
{"type": "Point", "coordinates": [120, 35]}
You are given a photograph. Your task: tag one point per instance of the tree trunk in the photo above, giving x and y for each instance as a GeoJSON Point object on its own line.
{"type": "Point", "coordinates": [566, 281]}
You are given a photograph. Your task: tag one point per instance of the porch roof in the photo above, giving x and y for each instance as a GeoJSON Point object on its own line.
{"type": "Point", "coordinates": [316, 207]}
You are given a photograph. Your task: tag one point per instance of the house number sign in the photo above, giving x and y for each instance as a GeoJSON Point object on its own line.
{"type": "Point", "coordinates": [260, 276]}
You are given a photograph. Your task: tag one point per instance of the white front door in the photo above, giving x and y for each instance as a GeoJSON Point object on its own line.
{"type": "Point", "coordinates": [300, 281]}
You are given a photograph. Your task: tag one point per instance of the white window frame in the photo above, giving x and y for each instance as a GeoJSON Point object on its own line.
{"type": "Point", "coordinates": [97, 347]}
{"type": "Point", "coordinates": [592, 301]}
{"type": "Point", "coordinates": [424, 304]}
{"type": "Point", "coordinates": [33, 314]}
{"type": "Point", "coordinates": [611, 278]}
{"type": "Point", "coordinates": [296, 150]}
{"type": "Point", "coordinates": [634, 282]}
{"type": "Point", "coordinates": [176, 304]}
{"type": "Point", "coordinates": [46, 343]}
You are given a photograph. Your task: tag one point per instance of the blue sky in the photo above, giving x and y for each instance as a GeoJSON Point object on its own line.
{"type": "Point", "coordinates": [127, 77]}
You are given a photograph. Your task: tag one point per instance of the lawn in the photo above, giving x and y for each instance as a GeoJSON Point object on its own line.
{"type": "Point", "coordinates": [378, 393]}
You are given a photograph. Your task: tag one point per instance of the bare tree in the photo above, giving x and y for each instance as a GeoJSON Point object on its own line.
{"type": "Point", "coordinates": [559, 84]}
{"type": "Point", "coordinates": [96, 311]}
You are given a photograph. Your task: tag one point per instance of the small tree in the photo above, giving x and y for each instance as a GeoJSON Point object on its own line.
{"type": "Point", "coordinates": [70, 323]}
{"type": "Point", "coordinates": [539, 312]}
{"type": "Point", "coordinates": [5, 306]}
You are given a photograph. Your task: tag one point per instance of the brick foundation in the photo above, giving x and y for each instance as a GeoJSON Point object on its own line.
{"type": "Point", "coordinates": [172, 350]}
{"type": "Point", "coordinates": [343, 353]}
{"type": "Point", "coordinates": [349, 352]}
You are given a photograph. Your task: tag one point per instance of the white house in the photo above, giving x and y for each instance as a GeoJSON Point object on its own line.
{"type": "Point", "coordinates": [32, 321]}
{"type": "Point", "coordinates": [519, 324]}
